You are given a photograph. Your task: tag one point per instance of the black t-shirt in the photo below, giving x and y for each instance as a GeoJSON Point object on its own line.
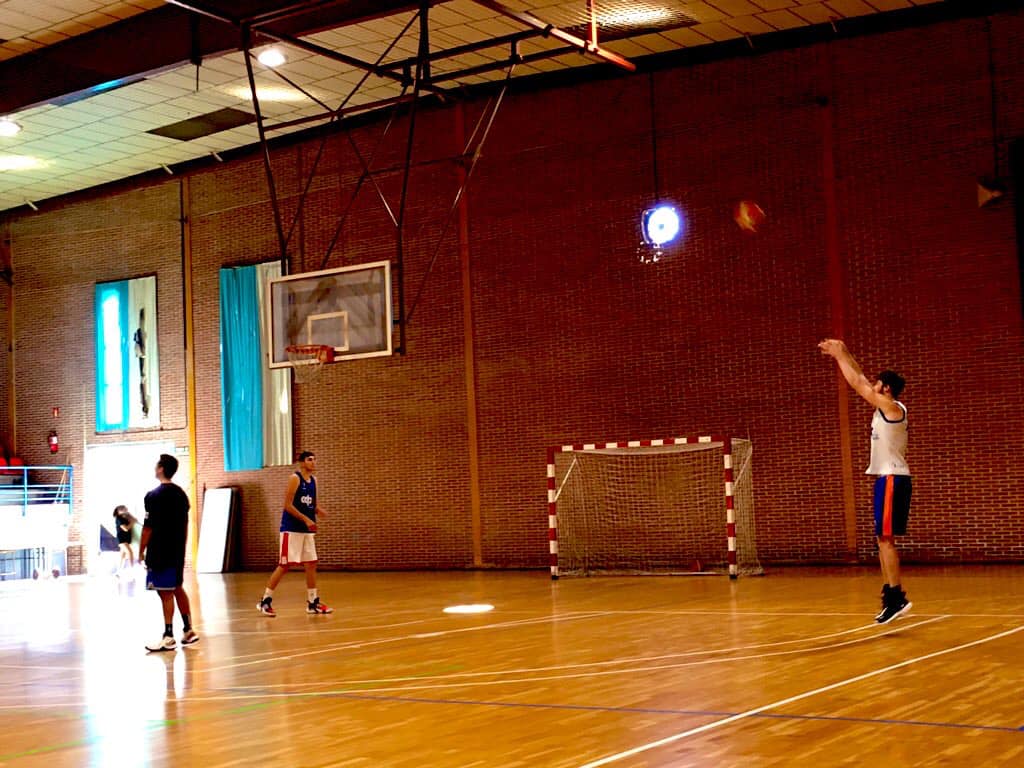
{"type": "Point", "coordinates": [167, 518]}
{"type": "Point", "coordinates": [124, 536]}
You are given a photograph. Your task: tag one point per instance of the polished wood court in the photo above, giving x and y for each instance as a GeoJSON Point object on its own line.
{"type": "Point", "coordinates": [785, 670]}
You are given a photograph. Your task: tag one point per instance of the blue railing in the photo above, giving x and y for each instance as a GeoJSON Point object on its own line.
{"type": "Point", "coordinates": [37, 485]}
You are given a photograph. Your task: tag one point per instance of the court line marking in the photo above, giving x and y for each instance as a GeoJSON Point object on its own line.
{"type": "Point", "coordinates": [697, 612]}
{"type": "Point", "coordinates": [584, 665]}
{"type": "Point", "coordinates": [234, 696]}
{"type": "Point", "coordinates": [535, 679]}
{"type": "Point", "coordinates": [600, 673]}
{"type": "Point", "coordinates": [783, 702]}
{"type": "Point", "coordinates": [272, 656]}
{"type": "Point", "coordinates": [688, 712]}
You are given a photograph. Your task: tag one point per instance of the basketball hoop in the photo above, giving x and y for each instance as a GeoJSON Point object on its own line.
{"type": "Point", "coordinates": [308, 360]}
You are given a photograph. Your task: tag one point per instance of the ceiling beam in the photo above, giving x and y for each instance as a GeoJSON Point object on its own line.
{"type": "Point", "coordinates": [156, 41]}
{"type": "Point", "coordinates": [587, 47]}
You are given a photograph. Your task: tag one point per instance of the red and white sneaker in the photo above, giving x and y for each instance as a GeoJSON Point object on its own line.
{"type": "Point", "coordinates": [265, 607]}
{"type": "Point", "coordinates": [318, 608]}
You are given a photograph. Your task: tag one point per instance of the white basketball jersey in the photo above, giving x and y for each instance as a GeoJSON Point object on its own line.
{"type": "Point", "coordinates": [888, 445]}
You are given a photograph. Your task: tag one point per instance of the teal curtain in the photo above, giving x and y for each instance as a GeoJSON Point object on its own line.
{"type": "Point", "coordinates": [112, 356]}
{"type": "Point", "coordinates": [241, 367]}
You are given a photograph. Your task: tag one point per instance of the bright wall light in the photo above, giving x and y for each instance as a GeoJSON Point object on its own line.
{"type": "Point", "coordinates": [660, 225]}
{"type": "Point", "coordinates": [271, 57]}
{"type": "Point", "coordinates": [20, 163]}
{"type": "Point", "coordinates": [267, 93]}
{"type": "Point", "coordinates": [8, 127]}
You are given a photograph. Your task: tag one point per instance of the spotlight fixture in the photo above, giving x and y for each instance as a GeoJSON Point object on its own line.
{"type": "Point", "coordinates": [271, 57]}
{"type": "Point", "coordinates": [659, 226]}
{"type": "Point", "coordinates": [661, 223]}
{"type": "Point", "coordinates": [8, 127]}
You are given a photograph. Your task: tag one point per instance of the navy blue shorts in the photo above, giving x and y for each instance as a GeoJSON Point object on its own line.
{"type": "Point", "coordinates": [892, 505]}
{"type": "Point", "coordinates": [165, 578]}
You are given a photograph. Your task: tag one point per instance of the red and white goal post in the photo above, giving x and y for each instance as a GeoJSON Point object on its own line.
{"type": "Point", "coordinates": [652, 506]}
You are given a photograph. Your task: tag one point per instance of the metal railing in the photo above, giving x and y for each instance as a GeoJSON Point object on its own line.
{"type": "Point", "coordinates": [37, 485]}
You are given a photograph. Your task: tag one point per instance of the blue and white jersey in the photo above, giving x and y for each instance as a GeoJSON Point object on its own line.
{"type": "Point", "coordinates": [304, 501]}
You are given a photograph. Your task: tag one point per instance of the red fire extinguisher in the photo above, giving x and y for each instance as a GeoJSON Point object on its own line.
{"type": "Point", "coordinates": [53, 441]}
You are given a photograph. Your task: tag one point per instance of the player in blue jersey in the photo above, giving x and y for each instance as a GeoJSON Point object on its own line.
{"type": "Point", "coordinates": [298, 528]}
{"type": "Point", "coordinates": [888, 465]}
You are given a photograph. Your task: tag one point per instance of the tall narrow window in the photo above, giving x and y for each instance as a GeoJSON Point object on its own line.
{"type": "Point", "coordinates": [127, 364]}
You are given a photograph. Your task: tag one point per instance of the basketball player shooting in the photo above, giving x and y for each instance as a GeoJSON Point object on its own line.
{"type": "Point", "coordinates": [888, 464]}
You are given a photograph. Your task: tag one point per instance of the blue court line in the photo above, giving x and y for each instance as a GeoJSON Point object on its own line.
{"type": "Point", "coordinates": [646, 710]}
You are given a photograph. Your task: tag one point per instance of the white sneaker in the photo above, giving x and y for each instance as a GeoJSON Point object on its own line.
{"type": "Point", "coordinates": [190, 637]}
{"type": "Point", "coordinates": [165, 643]}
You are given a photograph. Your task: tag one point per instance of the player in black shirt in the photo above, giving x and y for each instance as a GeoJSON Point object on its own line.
{"type": "Point", "coordinates": [164, 534]}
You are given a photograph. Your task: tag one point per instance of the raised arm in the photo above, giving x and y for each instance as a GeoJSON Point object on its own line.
{"type": "Point", "coordinates": [855, 377]}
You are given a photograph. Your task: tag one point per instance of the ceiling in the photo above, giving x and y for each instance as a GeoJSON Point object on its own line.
{"type": "Point", "coordinates": [88, 80]}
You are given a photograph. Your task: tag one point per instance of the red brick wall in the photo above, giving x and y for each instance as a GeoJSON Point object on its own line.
{"type": "Point", "coordinates": [575, 339]}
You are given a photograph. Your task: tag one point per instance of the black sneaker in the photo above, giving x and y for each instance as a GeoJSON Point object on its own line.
{"type": "Point", "coordinates": [896, 608]}
{"type": "Point", "coordinates": [318, 608]}
{"type": "Point", "coordinates": [265, 606]}
{"type": "Point", "coordinates": [886, 592]}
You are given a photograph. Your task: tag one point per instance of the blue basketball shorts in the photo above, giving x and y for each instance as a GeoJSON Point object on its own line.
{"type": "Point", "coordinates": [892, 505]}
{"type": "Point", "coordinates": [165, 578]}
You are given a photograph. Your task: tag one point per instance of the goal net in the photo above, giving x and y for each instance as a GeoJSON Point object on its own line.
{"type": "Point", "coordinates": [681, 505]}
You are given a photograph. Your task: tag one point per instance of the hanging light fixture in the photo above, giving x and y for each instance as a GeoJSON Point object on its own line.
{"type": "Point", "coordinates": [660, 223]}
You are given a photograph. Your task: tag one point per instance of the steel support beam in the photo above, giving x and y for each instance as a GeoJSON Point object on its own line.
{"type": "Point", "coordinates": [588, 47]}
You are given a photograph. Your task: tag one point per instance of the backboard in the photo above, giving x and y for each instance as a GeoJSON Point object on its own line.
{"type": "Point", "coordinates": [347, 308]}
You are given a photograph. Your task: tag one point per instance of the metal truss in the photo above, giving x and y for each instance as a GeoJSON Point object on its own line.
{"type": "Point", "coordinates": [413, 73]}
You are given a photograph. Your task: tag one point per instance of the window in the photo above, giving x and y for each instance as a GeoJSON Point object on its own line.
{"type": "Point", "coordinates": [255, 400]}
{"type": "Point", "coordinates": [127, 362]}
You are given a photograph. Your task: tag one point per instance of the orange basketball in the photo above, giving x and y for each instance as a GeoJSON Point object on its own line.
{"type": "Point", "coordinates": [749, 216]}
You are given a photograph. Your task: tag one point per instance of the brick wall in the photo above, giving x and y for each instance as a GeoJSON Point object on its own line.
{"type": "Point", "coordinates": [574, 338]}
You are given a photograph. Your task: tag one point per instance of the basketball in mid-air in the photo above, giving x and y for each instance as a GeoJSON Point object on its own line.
{"type": "Point", "coordinates": [749, 216]}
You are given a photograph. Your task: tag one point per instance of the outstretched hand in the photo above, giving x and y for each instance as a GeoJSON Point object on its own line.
{"type": "Point", "coordinates": [832, 347]}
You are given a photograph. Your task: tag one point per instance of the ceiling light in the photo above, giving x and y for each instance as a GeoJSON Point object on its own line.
{"type": "Point", "coordinates": [267, 93]}
{"type": "Point", "coordinates": [635, 17]}
{"type": "Point", "coordinates": [8, 127]}
{"type": "Point", "coordinates": [271, 57]}
{"type": "Point", "coordinates": [19, 163]}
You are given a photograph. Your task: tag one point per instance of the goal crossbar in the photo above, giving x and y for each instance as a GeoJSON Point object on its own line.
{"type": "Point", "coordinates": [658, 445]}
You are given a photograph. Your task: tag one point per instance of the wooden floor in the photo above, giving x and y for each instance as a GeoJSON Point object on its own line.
{"type": "Point", "coordinates": [785, 670]}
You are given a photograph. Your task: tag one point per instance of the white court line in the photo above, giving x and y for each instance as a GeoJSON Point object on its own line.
{"type": "Point", "coordinates": [791, 699]}
{"type": "Point", "coordinates": [586, 664]}
{"type": "Point", "coordinates": [481, 683]}
{"type": "Point", "coordinates": [542, 678]}
{"type": "Point", "coordinates": [386, 640]}
{"type": "Point", "coordinates": [496, 673]}
{"type": "Point", "coordinates": [802, 614]}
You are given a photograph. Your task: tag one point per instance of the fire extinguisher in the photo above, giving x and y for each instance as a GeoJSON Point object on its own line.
{"type": "Point", "coordinates": [53, 441]}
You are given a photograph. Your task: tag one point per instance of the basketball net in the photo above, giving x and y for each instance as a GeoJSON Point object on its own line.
{"type": "Point", "coordinates": [308, 360]}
